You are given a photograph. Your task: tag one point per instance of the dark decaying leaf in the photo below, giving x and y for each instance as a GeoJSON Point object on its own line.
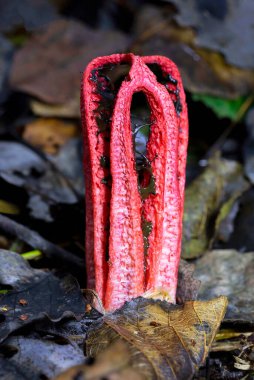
{"type": "Point", "coordinates": [36, 295]}
{"type": "Point", "coordinates": [153, 340]}
{"type": "Point", "coordinates": [221, 25]}
{"type": "Point", "coordinates": [30, 14]}
{"type": "Point", "coordinates": [204, 71]}
{"type": "Point", "coordinates": [49, 66]}
{"type": "Point", "coordinates": [37, 359]}
{"type": "Point", "coordinates": [229, 273]}
{"type": "Point", "coordinates": [22, 167]}
{"type": "Point", "coordinates": [68, 330]}
{"type": "Point", "coordinates": [221, 183]}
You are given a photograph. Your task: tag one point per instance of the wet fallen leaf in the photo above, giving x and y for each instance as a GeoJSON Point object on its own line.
{"type": "Point", "coordinates": [49, 134]}
{"type": "Point", "coordinates": [204, 71]}
{"type": "Point", "coordinates": [22, 167]}
{"type": "Point", "coordinates": [164, 341]}
{"type": "Point", "coordinates": [229, 273]}
{"type": "Point", "coordinates": [45, 295]}
{"type": "Point", "coordinates": [50, 64]}
{"type": "Point", "coordinates": [15, 271]}
{"type": "Point", "coordinates": [220, 182]}
{"type": "Point", "coordinates": [227, 28]}
{"type": "Point", "coordinates": [38, 358]}
{"type": "Point", "coordinates": [68, 330]}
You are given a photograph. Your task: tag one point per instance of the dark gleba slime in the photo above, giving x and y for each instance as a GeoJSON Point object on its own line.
{"type": "Point", "coordinates": [134, 207]}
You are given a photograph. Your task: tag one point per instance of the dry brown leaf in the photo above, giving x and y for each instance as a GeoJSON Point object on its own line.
{"type": "Point", "coordinates": [49, 134]}
{"type": "Point", "coordinates": [153, 340]}
{"type": "Point", "coordinates": [49, 66]}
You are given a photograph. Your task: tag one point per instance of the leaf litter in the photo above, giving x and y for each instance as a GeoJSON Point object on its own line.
{"type": "Point", "coordinates": [142, 337]}
{"type": "Point", "coordinates": [35, 294]}
{"type": "Point", "coordinates": [232, 275]}
{"type": "Point", "coordinates": [53, 74]}
{"type": "Point", "coordinates": [221, 183]}
{"type": "Point", "coordinates": [227, 221]}
{"type": "Point", "coordinates": [22, 167]}
{"type": "Point", "coordinates": [204, 71]}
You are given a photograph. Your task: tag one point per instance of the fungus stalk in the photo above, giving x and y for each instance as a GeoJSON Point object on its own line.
{"type": "Point", "coordinates": [133, 220]}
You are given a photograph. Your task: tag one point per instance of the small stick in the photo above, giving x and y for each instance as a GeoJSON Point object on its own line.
{"type": "Point", "coordinates": [36, 241]}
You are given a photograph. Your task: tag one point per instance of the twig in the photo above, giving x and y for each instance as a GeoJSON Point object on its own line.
{"type": "Point", "coordinates": [36, 241]}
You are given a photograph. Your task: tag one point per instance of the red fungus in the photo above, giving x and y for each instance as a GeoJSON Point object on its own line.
{"type": "Point", "coordinates": [120, 265]}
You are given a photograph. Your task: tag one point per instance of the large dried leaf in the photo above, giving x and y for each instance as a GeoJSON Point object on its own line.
{"type": "Point", "coordinates": [221, 182]}
{"type": "Point", "coordinates": [232, 275]}
{"type": "Point", "coordinates": [160, 340]}
{"type": "Point", "coordinates": [49, 66]}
